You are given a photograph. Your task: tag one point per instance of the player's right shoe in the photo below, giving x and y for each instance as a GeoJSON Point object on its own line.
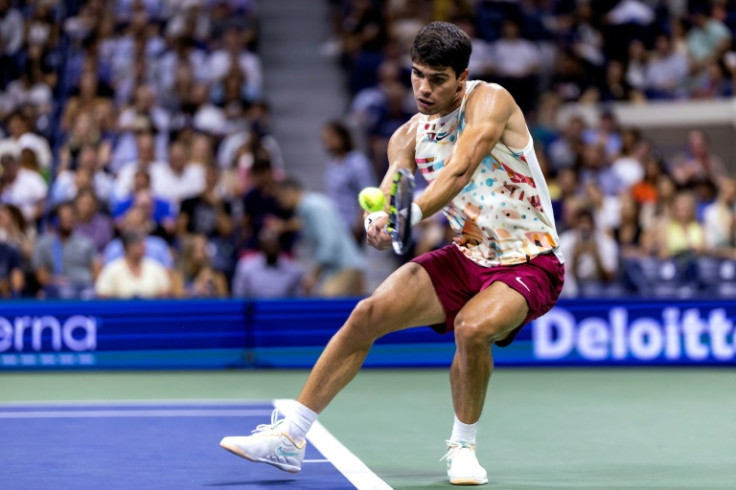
{"type": "Point", "coordinates": [268, 444]}
{"type": "Point", "coordinates": [462, 464]}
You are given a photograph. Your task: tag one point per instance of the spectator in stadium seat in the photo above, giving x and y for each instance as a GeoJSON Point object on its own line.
{"type": "Point", "coordinates": [565, 151]}
{"type": "Point", "coordinates": [144, 116]}
{"type": "Point", "coordinates": [160, 211]}
{"type": "Point", "coordinates": [595, 167]}
{"type": "Point", "coordinates": [84, 132]}
{"type": "Point", "coordinates": [267, 273]}
{"type": "Point", "coordinates": [180, 180]}
{"type": "Point", "coordinates": [346, 173]}
{"type": "Point", "coordinates": [681, 235]}
{"type": "Point", "coordinates": [516, 64]}
{"type": "Point", "coordinates": [146, 163]}
{"type": "Point", "coordinates": [260, 205]}
{"type": "Point", "coordinates": [12, 278]}
{"type": "Point", "coordinates": [711, 82]}
{"type": "Point", "coordinates": [636, 65]}
{"type": "Point", "coordinates": [11, 40]}
{"type": "Point", "coordinates": [615, 88]}
{"type": "Point", "coordinates": [720, 221]}
{"type": "Point", "coordinates": [19, 186]}
{"type": "Point", "coordinates": [206, 212]}
{"type": "Point", "coordinates": [234, 55]}
{"type": "Point", "coordinates": [19, 129]}
{"type": "Point", "coordinates": [592, 257]}
{"type": "Point", "coordinates": [697, 162]}
{"type": "Point", "coordinates": [90, 101]}
{"type": "Point", "coordinates": [64, 260]}
{"type": "Point", "coordinates": [201, 280]}
{"type": "Point", "coordinates": [606, 133]}
{"type": "Point", "coordinates": [133, 275]}
{"type": "Point", "coordinates": [707, 39]}
{"type": "Point", "coordinates": [15, 232]}
{"type": "Point", "coordinates": [628, 166]}
{"type": "Point", "coordinates": [91, 223]}
{"type": "Point", "coordinates": [183, 51]}
{"type": "Point", "coordinates": [666, 72]}
{"type": "Point", "coordinates": [156, 247]}
{"type": "Point", "coordinates": [338, 262]}
{"type": "Point", "coordinates": [87, 172]}
{"type": "Point", "coordinates": [633, 240]}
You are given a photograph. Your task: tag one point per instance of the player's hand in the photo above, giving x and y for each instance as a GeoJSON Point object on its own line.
{"type": "Point", "coordinates": [376, 235]}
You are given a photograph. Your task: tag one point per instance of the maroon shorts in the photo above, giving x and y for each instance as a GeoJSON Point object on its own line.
{"type": "Point", "coordinates": [456, 279]}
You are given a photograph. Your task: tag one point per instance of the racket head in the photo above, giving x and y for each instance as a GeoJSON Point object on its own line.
{"type": "Point", "coordinates": [399, 214]}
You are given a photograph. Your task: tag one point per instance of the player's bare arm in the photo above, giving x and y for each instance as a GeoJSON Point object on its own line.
{"type": "Point", "coordinates": [400, 156]}
{"type": "Point", "coordinates": [490, 114]}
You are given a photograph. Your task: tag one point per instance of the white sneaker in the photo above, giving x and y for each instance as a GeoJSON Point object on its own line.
{"type": "Point", "coordinates": [268, 444]}
{"type": "Point", "coordinates": [462, 464]}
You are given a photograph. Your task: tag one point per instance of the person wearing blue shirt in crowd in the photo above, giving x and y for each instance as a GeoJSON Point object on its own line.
{"type": "Point", "coordinates": [338, 262]}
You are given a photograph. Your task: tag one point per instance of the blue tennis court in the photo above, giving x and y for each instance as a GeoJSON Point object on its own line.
{"type": "Point", "coordinates": [156, 445]}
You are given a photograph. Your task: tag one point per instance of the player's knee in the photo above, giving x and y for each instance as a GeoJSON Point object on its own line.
{"type": "Point", "coordinates": [472, 332]}
{"type": "Point", "coordinates": [362, 321]}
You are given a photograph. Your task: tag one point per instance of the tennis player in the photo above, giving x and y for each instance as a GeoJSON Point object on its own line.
{"type": "Point", "coordinates": [471, 143]}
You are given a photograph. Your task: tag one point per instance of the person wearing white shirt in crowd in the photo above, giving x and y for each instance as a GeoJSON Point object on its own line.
{"type": "Point", "coordinates": [146, 162]}
{"type": "Point", "coordinates": [19, 186]}
{"type": "Point", "coordinates": [666, 71]}
{"type": "Point", "coordinates": [180, 180]}
{"type": "Point", "coordinates": [719, 219]}
{"type": "Point", "coordinates": [221, 62]}
{"type": "Point", "coordinates": [144, 115]}
{"type": "Point", "coordinates": [67, 183]}
{"type": "Point", "coordinates": [516, 64]}
{"type": "Point", "coordinates": [20, 133]}
{"type": "Point", "coordinates": [133, 275]}
{"type": "Point", "coordinates": [593, 257]}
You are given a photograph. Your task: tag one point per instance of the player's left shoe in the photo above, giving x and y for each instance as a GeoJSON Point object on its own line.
{"type": "Point", "coordinates": [268, 444]}
{"type": "Point", "coordinates": [463, 467]}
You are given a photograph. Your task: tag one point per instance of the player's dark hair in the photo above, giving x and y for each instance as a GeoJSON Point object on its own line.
{"type": "Point", "coordinates": [442, 44]}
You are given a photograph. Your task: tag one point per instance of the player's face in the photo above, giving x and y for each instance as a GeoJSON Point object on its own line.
{"type": "Point", "coordinates": [437, 90]}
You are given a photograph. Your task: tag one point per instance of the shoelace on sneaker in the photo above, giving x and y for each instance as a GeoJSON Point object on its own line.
{"type": "Point", "coordinates": [274, 422]}
{"type": "Point", "coordinates": [453, 447]}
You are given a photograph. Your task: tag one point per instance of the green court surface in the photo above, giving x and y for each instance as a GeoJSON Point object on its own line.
{"type": "Point", "coordinates": [542, 428]}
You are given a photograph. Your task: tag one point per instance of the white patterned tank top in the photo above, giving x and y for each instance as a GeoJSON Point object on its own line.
{"type": "Point", "coordinates": [504, 215]}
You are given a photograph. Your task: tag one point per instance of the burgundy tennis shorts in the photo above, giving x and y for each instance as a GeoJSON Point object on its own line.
{"type": "Point", "coordinates": [456, 279]}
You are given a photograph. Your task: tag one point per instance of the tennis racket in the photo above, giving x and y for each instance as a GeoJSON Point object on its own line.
{"type": "Point", "coordinates": [399, 211]}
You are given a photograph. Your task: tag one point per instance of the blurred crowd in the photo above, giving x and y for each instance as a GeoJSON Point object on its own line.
{"type": "Point", "coordinates": [137, 157]}
{"type": "Point", "coordinates": [631, 220]}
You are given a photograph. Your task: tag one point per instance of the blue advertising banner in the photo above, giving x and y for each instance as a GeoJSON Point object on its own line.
{"type": "Point", "coordinates": [292, 333]}
{"type": "Point", "coordinates": [122, 334]}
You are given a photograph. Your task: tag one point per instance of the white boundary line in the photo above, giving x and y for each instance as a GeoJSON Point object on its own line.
{"type": "Point", "coordinates": [76, 414]}
{"type": "Point", "coordinates": [142, 402]}
{"type": "Point", "coordinates": [346, 462]}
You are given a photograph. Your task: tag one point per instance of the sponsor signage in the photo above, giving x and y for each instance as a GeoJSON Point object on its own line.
{"type": "Point", "coordinates": [235, 333]}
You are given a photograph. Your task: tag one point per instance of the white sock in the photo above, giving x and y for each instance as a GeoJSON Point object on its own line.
{"type": "Point", "coordinates": [299, 422]}
{"type": "Point", "coordinates": [463, 432]}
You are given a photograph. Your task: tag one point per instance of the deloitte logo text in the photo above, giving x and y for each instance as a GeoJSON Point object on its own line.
{"type": "Point", "coordinates": [674, 337]}
{"type": "Point", "coordinates": [24, 333]}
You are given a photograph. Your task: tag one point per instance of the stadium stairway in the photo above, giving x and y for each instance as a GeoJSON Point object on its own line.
{"type": "Point", "coordinates": [304, 88]}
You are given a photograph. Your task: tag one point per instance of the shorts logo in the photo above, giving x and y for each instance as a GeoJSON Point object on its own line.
{"type": "Point", "coordinates": [522, 283]}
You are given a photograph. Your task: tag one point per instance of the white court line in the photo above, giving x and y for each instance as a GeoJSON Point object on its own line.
{"type": "Point", "coordinates": [346, 462]}
{"type": "Point", "coordinates": [316, 461]}
{"type": "Point", "coordinates": [131, 402]}
{"type": "Point", "coordinates": [83, 414]}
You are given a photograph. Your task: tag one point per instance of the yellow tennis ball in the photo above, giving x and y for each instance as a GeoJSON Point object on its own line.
{"type": "Point", "coordinates": [372, 199]}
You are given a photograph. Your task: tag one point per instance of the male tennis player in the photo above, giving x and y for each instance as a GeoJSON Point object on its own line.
{"type": "Point", "coordinates": [472, 145]}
